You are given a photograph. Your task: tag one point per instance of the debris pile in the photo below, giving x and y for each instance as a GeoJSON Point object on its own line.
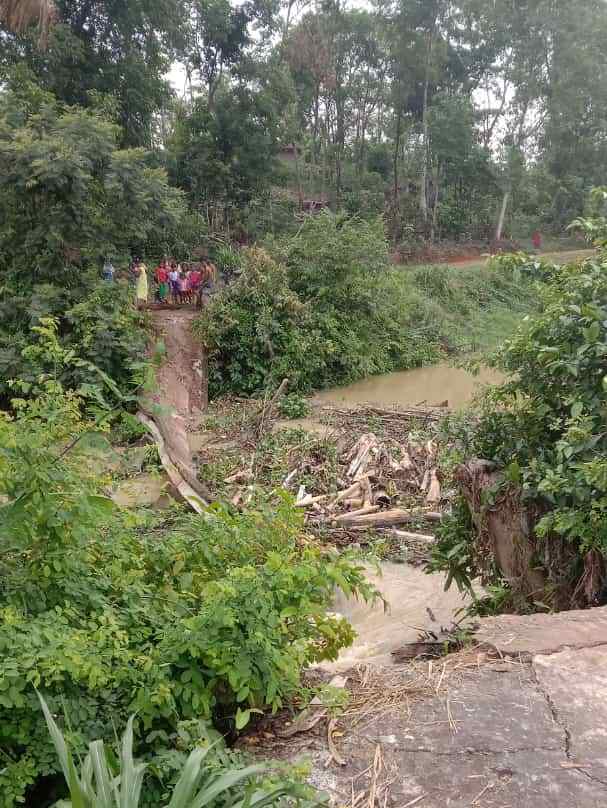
{"type": "Point", "coordinates": [382, 485]}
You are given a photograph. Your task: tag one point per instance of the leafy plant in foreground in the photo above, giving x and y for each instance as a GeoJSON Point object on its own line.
{"type": "Point", "coordinates": [293, 406]}
{"type": "Point", "coordinates": [93, 783]}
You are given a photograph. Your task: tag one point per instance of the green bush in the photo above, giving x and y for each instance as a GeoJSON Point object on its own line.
{"type": "Point", "coordinates": [257, 330]}
{"type": "Point", "coordinates": [321, 308]}
{"type": "Point", "coordinates": [546, 428]}
{"type": "Point", "coordinates": [228, 260]}
{"type": "Point", "coordinates": [326, 307]}
{"type": "Point", "coordinates": [215, 620]}
{"type": "Point", "coordinates": [293, 406]}
{"type": "Point", "coordinates": [103, 329]}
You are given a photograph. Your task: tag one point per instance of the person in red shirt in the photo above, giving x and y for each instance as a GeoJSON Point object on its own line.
{"type": "Point", "coordinates": [195, 278]}
{"type": "Point", "coordinates": [162, 279]}
{"type": "Point", "coordinates": [536, 240]}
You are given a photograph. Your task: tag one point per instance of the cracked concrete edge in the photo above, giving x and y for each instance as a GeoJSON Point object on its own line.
{"type": "Point", "coordinates": [527, 657]}
{"type": "Point", "coordinates": [556, 713]}
{"type": "Point", "coordinates": [553, 712]}
{"type": "Point", "coordinates": [471, 751]}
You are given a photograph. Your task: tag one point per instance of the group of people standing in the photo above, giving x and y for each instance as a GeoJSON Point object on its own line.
{"type": "Point", "coordinates": [181, 283]}
{"type": "Point", "coordinates": [173, 282]}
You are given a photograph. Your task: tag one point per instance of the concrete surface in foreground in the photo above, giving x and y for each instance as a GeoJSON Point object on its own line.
{"type": "Point", "coordinates": [510, 733]}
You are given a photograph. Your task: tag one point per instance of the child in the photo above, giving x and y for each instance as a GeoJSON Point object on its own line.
{"type": "Point", "coordinates": [194, 281]}
{"type": "Point", "coordinates": [162, 277]}
{"type": "Point", "coordinates": [174, 283]}
{"type": "Point", "coordinates": [183, 286]}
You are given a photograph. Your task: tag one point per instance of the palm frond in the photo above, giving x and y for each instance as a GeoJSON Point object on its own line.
{"type": "Point", "coordinates": [18, 15]}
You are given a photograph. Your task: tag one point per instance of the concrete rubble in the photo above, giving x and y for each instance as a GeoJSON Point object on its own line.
{"type": "Point", "coordinates": [526, 727]}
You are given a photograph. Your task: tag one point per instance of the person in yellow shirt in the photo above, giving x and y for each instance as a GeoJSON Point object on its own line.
{"type": "Point", "coordinates": [141, 290]}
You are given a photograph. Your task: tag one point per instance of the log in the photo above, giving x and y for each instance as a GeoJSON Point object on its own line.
{"type": "Point", "coordinates": [366, 510]}
{"type": "Point", "coordinates": [360, 455]}
{"type": "Point", "coordinates": [185, 490]}
{"type": "Point", "coordinates": [348, 492]}
{"type": "Point", "coordinates": [365, 487]}
{"type": "Point", "coordinates": [422, 413]}
{"type": "Point", "coordinates": [434, 494]}
{"type": "Point", "coordinates": [407, 536]}
{"type": "Point", "coordinates": [396, 516]}
{"type": "Point", "coordinates": [310, 500]}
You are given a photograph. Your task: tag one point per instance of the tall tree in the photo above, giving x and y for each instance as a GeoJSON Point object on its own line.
{"type": "Point", "coordinates": [109, 48]}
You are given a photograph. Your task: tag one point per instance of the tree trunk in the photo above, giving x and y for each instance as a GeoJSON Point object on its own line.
{"type": "Point", "coordinates": [300, 194]}
{"type": "Point", "coordinates": [315, 134]}
{"type": "Point", "coordinates": [399, 121]}
{"type": "Point", "coordinates": [423, 199]}
{"type": "Point", "coordinates": [504, 528]}
{"type": "Point", "coordinates": [339, 149]}
{"type": "Point", "coordinates": [502, 217]}
{"type": "Point", "coordinates": [435, 204]}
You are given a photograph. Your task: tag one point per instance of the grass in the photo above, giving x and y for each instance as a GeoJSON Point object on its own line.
{"type": "Point", "coordinates": [491, 327]}
{"type": "Point", "coordinates": [475, 306]}
{"type": "Point", "coordinates": [472, 310]}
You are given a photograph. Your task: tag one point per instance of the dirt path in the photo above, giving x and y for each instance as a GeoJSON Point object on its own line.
{"type": "Point", "coordinates": [181, 377]}
{"type": "Point", "coordinates": [558, 257]}
{"type": "Point", "coordinates": [178, 400]}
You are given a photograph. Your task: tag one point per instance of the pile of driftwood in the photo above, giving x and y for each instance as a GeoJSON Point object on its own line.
{"type": "Point", "coordinates": [389, 421]}
{"type": "Point", "coordinates": [376, 478]}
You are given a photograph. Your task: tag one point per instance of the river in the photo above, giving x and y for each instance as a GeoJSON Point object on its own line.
{"type": "Point", "coordinates": [425, 386]}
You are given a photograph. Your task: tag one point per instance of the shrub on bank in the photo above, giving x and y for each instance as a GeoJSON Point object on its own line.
{"type": "Point", "coordinates": [324, 307]}
{"type": "Point", "coordinates": [214, 619]}
{"type": "Point", "coordinates": [546, 430]}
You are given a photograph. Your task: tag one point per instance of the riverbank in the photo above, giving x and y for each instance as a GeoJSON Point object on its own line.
{"type": "Point", "coordinates": [328, 309]}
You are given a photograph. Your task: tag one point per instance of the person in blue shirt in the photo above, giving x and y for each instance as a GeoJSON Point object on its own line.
{"type": "Point", "coordinates": [108, 271]}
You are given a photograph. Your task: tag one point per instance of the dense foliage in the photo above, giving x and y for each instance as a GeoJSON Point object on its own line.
{"type": "Point", "coordinates": [69, 199]}
{"type": "Point", "coordinates": [325, 307]}
{"type": "Point", "coordinates": [214, 621]}
{"type": "Point", "coordinates": [457, 120]}
{"type": "Point", "coordinates": [546, 429]}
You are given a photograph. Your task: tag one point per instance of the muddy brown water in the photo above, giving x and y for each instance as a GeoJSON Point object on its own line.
{"type": "Point", "coordinates": [142, 491]}
{"type": "Point", "coordinates": [428, 385]}
{"type": "Point", "coordinates": [415, 602]}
